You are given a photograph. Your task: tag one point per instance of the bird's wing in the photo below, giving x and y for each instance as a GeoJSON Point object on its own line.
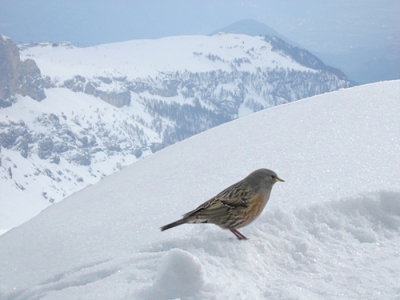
{"type": "Point", "coordinates": [233, 197]}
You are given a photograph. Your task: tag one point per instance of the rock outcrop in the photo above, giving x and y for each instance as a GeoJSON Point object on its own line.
{"type": "Point", "coordinates": [16, 76]}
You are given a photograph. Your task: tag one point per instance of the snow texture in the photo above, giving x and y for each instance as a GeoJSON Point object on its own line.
{"type": "Point", "coordinates": [142, 58]}
{"type": "Point", "coordinates": [331, 231]}
{"type": "Point", "coordinates": [81, 112]}
{"type": "Point", "coordinates": [180, 275]}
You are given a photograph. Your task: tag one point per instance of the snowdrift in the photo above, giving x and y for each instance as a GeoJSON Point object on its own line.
{"type": "Point", "coordinates": [332, 230]}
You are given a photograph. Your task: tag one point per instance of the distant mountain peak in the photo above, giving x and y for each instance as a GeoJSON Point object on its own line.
{"type": "Point", "coordinates": [249, 27]}
{"type": "Point", "coordinates": [253, 28]}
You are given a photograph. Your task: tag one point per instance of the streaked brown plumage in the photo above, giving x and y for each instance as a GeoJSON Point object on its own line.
{"type": "Point", "coordinates": [236, 206]}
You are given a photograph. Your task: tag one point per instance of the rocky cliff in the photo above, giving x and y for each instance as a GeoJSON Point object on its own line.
{"type": "Point", "coordinates": [16, 76]}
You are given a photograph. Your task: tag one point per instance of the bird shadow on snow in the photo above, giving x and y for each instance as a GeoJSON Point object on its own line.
{"type": "Point", "coordinates": [292, 241]}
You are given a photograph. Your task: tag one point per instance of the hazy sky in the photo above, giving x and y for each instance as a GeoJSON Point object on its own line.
{"type": "Point", "coordinates": [320, 25]}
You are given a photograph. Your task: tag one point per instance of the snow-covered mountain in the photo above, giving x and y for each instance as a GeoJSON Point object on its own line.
{"type": "Point", "coordinates": [253, 28]}
{"type": "Point", "coordinates": [372, 63]}
{"type": "Point", "coordinates": [331, 231]}
{"type": "Point", "coordinates": [109, 105]}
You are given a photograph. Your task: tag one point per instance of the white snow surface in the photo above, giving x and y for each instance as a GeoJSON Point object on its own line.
{"type": "Point", "coordinates": [142, 58]}
{"type": "Point", "coordinates": [331, 231]}
{"type": "Point", "coordinates": [5, 38]}
{"type": "Point", "coordinates": [29, 202]}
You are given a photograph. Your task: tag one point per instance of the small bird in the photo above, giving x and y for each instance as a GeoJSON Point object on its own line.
{"type": "Point", "coordinates": [235, 207]}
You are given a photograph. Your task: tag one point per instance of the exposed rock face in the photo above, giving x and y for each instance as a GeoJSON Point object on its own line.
{"type": "Point", "coordinates": [81, 84]}
{"type": "Point", "coordinates": [16, 76]}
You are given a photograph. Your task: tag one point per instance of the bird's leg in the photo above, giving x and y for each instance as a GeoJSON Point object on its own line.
{"type": "Point", "coordinates": [238, 234]}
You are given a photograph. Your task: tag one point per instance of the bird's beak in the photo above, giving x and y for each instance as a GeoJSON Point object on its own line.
{"type": "Point", "coordinates": [277, 179]}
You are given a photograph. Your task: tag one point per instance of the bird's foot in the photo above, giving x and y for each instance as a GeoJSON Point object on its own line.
{"type": "Point", "coordinates": [238, 234]}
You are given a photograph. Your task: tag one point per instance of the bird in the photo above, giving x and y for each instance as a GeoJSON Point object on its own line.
{"type": "Point", "coordinates": [236, 206]}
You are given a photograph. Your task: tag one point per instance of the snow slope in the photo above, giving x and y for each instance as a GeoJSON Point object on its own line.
{"type": "Point", "coordinates": [36, 183]}
{"type": "Point", "coordinates": [142, 58]}
{"type": "Point", "coordinates": [331, 231]}
{"type": "Point", "coordinates": [108, 106]}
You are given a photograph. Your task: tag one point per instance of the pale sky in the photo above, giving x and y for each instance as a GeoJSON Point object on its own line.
{"type": "Point", "coordinates": [319, 25]}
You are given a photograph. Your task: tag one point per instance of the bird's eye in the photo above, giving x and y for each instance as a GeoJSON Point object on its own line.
{"type": "Point", "coordinates": [273, 176]}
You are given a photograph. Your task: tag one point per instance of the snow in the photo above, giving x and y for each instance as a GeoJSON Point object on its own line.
{"type": "Point", "coordinates": [65, 116]}
{"type": "Point", "coordinates": [142, 58]}
{"type": "Point", "coordinates": [331, 231]}
{"type": "Point", "coordinates": [5, 38]}
{"type": "Point", "coordinates": [180, 275]}
{"type": "Point", "coordinates": [25, 172]}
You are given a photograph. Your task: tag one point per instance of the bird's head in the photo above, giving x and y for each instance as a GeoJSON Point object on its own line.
{"type": "Point", "coordinates": [268, 177]}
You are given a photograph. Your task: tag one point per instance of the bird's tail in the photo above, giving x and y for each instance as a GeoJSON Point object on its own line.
{"type": "Point", "coordinates": [173, 224]}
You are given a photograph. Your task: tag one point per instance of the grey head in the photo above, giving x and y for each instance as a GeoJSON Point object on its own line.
{"type": "Point", "coordinates": [263, 178]}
